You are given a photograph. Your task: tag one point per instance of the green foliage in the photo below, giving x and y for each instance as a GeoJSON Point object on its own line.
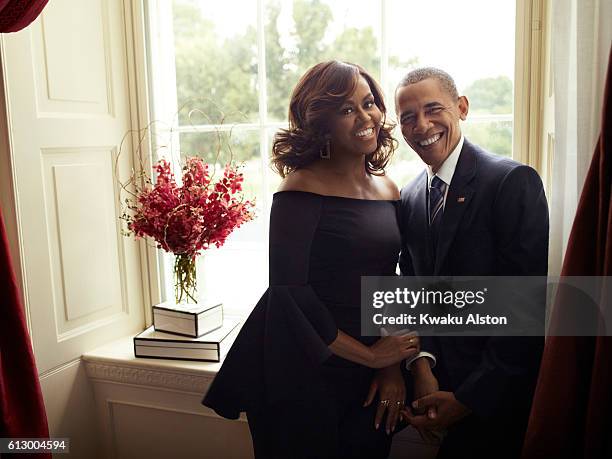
{"type": "Point", "coordinates": [358, 46]}
{"type": "Point", "coordinates": [217, 77]}
{"type": "Point", "coordinates": [495, 137]}
{"type": "Point", "coordinates": [279, 66]}
{"type": "Point", "coordinates": [215, 80]}
{"type": "Point", "coordinates": [311, 22]}
{"type": "Point", "coordinates": [490, 95]}
{"type": "Point", "coordinates": [311, 18]}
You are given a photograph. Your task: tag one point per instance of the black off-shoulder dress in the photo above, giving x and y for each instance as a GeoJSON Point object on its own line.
{"type": "Point", "coordinates": [302, 401]}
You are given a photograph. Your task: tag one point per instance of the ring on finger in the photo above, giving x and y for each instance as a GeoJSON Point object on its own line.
{"type": "Point", "coordinates": [384, 402]}
{"type": "Point", "coordinates": [399, 403]}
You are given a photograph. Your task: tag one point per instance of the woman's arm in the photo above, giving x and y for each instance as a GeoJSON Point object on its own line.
{"type": "Point", "coordinates": [293, 222]}
{"type": "Point", "coordinates": [385, 352]}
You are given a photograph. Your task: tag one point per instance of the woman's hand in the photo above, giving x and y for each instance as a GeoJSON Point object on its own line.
{"type": "Point", "coordinates": [393, 349]}
{"type": "Point", "coordinates": [385, 352]}
{"type": "Point", "coordinates": [389, 383]}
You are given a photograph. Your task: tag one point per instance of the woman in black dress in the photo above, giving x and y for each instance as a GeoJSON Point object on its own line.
{"type": "Point", "coordinates": [300, 368]}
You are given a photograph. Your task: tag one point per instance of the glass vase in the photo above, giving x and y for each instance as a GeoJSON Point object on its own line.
{"type": "Point", "coordinates": [185, 278]}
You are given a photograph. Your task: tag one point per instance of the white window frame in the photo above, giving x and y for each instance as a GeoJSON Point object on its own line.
{"type": "Point", "coordinates": [529, 142]}
{"type": "Point", "coordinates": [531, 82]}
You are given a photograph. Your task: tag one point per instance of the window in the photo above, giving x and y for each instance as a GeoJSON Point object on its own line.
{"type": "Point", "coordinates": [222, 73]}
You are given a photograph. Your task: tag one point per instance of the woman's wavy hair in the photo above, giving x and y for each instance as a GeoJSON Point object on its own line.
{"type": "Point", "coordinates": [321, 91]}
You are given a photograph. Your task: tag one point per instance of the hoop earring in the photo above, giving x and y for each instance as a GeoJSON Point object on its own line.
{"type": "Point", "coordinates": [325, 152]}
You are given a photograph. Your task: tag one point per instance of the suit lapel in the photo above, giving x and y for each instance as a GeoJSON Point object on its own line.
{"type": "Point", "coordinates": [459, 197]}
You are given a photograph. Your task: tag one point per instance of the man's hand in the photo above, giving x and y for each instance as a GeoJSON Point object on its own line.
{"type": "Point", "coordinates": [425, 383]}
{"type": "Point", "coordinates": [449, 410]}
{"type": "Point", "coordinates": [389, 383]}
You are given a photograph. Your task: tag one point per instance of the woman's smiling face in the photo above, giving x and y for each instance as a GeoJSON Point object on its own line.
{"type": "Point", "coordinates": [355, 125]}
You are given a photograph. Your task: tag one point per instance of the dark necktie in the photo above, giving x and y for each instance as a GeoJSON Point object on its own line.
{"type": "Point", "coordinates": [436, 206]}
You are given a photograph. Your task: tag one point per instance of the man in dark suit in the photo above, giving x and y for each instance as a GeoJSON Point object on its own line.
{"type": "Point", "coordinates": [471, 213]}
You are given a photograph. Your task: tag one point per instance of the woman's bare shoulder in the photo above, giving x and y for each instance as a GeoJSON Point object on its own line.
{"type": "Point", "coordinates": [302, 180]}
{"type": "Point", "coordinates": [387, 188]}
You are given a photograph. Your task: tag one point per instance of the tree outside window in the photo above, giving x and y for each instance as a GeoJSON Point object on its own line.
{"type": "Point", "coordinates": [225, 110]}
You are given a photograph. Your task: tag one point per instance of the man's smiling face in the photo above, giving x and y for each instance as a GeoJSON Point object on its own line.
{"type": "Point", "coordinates": [429, 117]}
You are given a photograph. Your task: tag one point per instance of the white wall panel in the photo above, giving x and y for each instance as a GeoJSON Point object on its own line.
{"type": "Point", "coordinates": [73, 71]}
{"type": "Point", "coordinates": [150, 430]}
{"type": "Point", "coordinates": [71, 409]}
{"type": "Point", "coordinates": [69, 104]}
{"type": "Point", "coordinates": [84, 235]}
{"type": "Point", "coordinates": [152, 408]}
{"type": "Point", "coordinates": [82, 278]}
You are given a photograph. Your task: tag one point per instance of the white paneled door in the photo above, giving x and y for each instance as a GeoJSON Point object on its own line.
{"type": "Point", "coordinates": [68, 103]}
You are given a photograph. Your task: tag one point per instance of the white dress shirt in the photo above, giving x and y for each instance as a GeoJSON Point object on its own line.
{"type": "Point", "coordinates": [447, 169]}
{"type": "Point", "coordinates": [445, 173]}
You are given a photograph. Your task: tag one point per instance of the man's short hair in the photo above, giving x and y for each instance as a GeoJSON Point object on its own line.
{"type": "Point", "coordinates": [445, 80]}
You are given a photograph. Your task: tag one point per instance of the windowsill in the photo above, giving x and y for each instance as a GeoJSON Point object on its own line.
{"type": "Point", "coordinates": [116, 363]}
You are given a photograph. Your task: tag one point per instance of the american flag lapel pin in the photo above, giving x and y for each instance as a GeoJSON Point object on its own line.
{"type": "Point", "coordinates": [461, 199]}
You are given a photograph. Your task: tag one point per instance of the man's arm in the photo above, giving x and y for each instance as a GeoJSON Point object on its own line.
{"type": "Point", "coordinates": [521, 231]}
{"type": "Point", "coordinates": [427, 354]}
{"type": "Point", "coordinates": [421, 364]}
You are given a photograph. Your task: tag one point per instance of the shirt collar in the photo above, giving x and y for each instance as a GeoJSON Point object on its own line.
{"type": "Point", "coordinates": [447, 169]}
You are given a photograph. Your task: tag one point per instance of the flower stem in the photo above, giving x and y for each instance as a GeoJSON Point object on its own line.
{"type": "Point", "coordinates": [184, 278]}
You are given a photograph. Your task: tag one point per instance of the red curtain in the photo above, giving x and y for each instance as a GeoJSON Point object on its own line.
{"type": "Point", "coordinates": [22, 411]}
{"type": "Point", "coordinates": [21, 404]}
{"type": "Point", "coordinates": [571, 415]}
{"type": "Point", "coordinates": [18, 14]}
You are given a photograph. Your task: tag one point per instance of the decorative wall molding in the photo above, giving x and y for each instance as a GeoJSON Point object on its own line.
{"type": "Point", "coordinates": [151, 377]}
{"type": "Point", "coordinates": [53, 371]}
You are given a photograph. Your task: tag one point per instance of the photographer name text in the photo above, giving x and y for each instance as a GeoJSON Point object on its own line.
{"type": "Point", "coordinates": [448, 319]}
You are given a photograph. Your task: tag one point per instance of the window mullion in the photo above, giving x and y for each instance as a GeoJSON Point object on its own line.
{"type": "Point", "coordinates": [263, 96]}
{"type": "Point", "coordinates": [384, 48]}
{"type": "Point", "coordinates": [164, 97]}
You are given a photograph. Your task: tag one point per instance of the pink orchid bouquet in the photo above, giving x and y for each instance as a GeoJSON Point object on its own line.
{"type": "Point", "coordinates": [189, 218]}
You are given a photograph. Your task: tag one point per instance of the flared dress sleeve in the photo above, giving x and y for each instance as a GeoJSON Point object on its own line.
{"type": "Point", "coordinates": [277, 354]}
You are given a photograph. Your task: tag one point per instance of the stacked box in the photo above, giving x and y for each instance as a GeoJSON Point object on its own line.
{"type": "Point", "coordinates": [193, 320]}
{"type": "Point", "coordinates": [210, 347]}
{"type": "Point", "coordinates": [187, 332]}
